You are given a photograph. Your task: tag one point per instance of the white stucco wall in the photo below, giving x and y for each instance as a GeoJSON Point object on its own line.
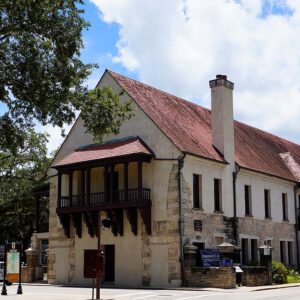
{"type": "Point", "coordinates": [209, 170]}
{"type": "Point", "coordinates": [259, 183]}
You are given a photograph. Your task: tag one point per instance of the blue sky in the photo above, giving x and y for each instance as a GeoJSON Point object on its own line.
{"type": "Point", "coordinates": [100, 44]}
{"type": "Point", "coordinates": [179, 45]}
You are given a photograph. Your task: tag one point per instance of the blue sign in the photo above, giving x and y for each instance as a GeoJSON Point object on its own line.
{"type": "Point", "coordinates": [210, 258]}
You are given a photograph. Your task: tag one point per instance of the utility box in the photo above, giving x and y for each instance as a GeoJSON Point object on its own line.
{"type": "Point", "coordinates": [93, 263]}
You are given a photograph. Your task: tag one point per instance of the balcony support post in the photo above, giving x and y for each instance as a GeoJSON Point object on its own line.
{"type": "Point", "coordinates": [125, 182]}
{"type": "Point", "coordinates": [70, 188]}
{"type": "Point", "coordinates": [111, 179]}
{"type": "Point", "coordinates": [88, 185]}
{"type": "Point", "coordinates": [105, 175]}
{"type": "Point", "coordinates": [59, 189]}
{"type": "Point", "coordinates": [82, 187]}
{"type": "Point", "coordinates": [140, 180]}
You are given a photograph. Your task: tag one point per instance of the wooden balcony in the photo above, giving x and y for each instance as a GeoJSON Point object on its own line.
{"type": "Point", "coordinates": [104, 201]}
{"type": "Point", "coordinates": [77, 203]}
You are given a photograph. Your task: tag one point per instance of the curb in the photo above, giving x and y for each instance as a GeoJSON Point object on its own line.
{"type": "Point", "coordinates": [275, 287]}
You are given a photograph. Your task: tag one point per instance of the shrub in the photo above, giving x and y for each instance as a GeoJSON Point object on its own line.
{"type": "Point", "coordinates": [293, 276]}
{"type": "Point", "coordinates": [279, 272]}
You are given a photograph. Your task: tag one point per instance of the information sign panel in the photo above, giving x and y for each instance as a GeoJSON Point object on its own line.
{"type": "Point", "coordinates": [210, 257]}
{"type": "Point", "coordinates": [13, 263]}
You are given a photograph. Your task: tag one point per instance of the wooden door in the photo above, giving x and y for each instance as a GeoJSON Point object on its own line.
{"type": "Point", "coordinates": [109, 252]}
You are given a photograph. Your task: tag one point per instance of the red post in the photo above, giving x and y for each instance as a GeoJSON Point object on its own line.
{"type": "Point", "coordinates": [99, 249]}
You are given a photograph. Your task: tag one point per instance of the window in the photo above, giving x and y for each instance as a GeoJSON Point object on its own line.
{"type": "Point", "coordinates": [248, 208]}
{"type": "Point", "coordinates": [197, 191]}
{"type": "Point", "coordinates": [245, 258]}
{"type": "Point", "coordinates": [43, 252]}
{"type": "Point", "coordinates": [268, 242]}
{"type": "Point", "coordinates": [284, 207]}
{"type": "Point", "coordinates": [218, 194]}
{"type": "Point", "coordinates": [200, 246]}
{"type": "Point", "coordinates": [218, 240]}
{"type": "Point", "coordinates": [282, 251]}
{"type": "Point", "coordinates": [254, 256]}
{"type": "Point", "coordinates": [290, 253]}
{"type": "Point", "coordinates": [267, 204]}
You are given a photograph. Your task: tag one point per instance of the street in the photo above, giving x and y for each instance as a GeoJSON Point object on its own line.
{"type": "Point", "coordinates": [47, 292]}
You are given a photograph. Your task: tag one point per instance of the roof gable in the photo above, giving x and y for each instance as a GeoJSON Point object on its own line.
{"type": "Point", "coordinates": [188, 126]}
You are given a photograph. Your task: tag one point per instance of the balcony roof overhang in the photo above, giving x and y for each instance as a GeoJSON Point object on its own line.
{"type": "Point", "coordinates": [112, 152]}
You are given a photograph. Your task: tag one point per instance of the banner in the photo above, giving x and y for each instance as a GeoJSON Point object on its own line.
{"type": "Point", "coordinates": [13, 262]}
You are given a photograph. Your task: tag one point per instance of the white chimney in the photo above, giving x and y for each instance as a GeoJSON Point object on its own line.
{"type": "Point", "coordinates": [222, 116]}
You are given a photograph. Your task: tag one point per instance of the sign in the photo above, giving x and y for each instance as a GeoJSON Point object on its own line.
{"type": "Point", "coordinates": [238, 269]}
{"type": "Point", "coordinates": [267, 251]}
{"type": "Point", "coordinates": [93, 263]}
{"type": "Point", "coordinates": [210, 257]}
{"type": "Point", "coordinates": [13, 263]}
{"type": "Point", "coordinates": [197, 225]}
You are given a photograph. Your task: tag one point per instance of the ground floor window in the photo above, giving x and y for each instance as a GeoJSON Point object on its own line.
{"type": "Point", "coordinates": [286, 252]}
{"type": "Point", "coordinates": [43, 252]}
{"type": "Point", "coordinates": [218, 240]}
{"type": "Point", "coordinates": [200, 246]}
{"type": "Point", "coordinates": [290, 252]}
{"type": "Point", "coordinates": [249, 251]}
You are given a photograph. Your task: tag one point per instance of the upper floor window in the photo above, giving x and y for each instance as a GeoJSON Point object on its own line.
{"type": "Point", "coordinates": [267, 204]}
{"type": "Point", "coordinates": [248, 202]}
{"type": "Point", "coordinates": [218, 194]}
{"type": "Point", "coordinates": [284, 207]}
{"type": "Point", "coordinates": [197, 191]}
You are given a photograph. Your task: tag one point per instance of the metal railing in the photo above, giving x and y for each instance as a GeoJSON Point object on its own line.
{"type": "Point", "coordinates": [94, 199]}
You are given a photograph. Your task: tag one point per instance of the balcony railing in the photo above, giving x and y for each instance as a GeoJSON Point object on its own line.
{"type": "Point", "coordinates": [101, 198]}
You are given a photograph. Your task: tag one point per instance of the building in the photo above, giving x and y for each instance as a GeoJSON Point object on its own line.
{"type": "Point", "coordinates": [176, 173]}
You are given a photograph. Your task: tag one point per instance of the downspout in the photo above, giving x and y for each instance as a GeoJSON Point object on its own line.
{"type": "Point", "coordinates": [181, 220]}
{"type": "Point", "coordinates": [234, 177]}
{"type": "Point", "coordinates": [296, 223]}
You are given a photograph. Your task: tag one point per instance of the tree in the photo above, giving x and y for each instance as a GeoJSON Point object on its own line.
{"type": "Point", "coordinates": [41, 74]}
{"type": "Point", "coordinates": [19, 173]}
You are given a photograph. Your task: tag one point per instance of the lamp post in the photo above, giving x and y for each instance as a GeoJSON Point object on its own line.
{"type": "Point", "coordinates": [20, 290]}
{"type": "Point", "coordinates": [4, 290]}
{"type": "Point", "coordinates": [99, 249]}
{"type": "Point", "coordinates": [106, 224]}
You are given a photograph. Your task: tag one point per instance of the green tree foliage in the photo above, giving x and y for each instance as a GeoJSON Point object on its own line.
{"type": "Point", "coordinates": [19, 173]}
{"type": "Point", "coordinates": [41, 74]}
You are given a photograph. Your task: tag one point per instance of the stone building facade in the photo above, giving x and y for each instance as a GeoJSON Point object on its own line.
{"type": "Point", "coordinates": [210, 180]}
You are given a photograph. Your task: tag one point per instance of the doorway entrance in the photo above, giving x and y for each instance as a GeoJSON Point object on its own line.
{"type": "Point", "coordinates": [109, 252]}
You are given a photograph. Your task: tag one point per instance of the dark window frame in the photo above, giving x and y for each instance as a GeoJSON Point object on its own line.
{"type": "Point", "coordinates": [267, 200]}
{"type": "Point", "coordinates": [217, 195]}
{"type": "Point", "coordinates": [248, 200]}
{"type": "Point", "coordinates": [285, 216]}
{"type": "Point", "coordinates": [254, 250]}
{"type": "Point", "coordinates": [197, 191]}
{"type": "Point", "coordinates": [290, 252]}
{"type": "Point", "coordinates": [282, 251]}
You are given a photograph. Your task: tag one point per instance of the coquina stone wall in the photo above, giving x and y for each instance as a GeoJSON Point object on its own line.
{"type": "Point", "coordinates": [263, 229]}
{"type": "Point", "coordinates": [60, 246]}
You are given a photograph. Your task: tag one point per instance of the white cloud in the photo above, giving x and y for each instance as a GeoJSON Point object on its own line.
{"type": "Point", "coordinates": [178, 45]}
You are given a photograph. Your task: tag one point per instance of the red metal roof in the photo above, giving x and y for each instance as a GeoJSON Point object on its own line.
{"type": "Point", "coordinates": [188, 126]}
{"type": "Point", "coordinates": [123, 147]}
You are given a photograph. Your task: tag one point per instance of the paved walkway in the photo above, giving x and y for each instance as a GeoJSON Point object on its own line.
{"type": "Point", "coordinates": [38, 291]}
